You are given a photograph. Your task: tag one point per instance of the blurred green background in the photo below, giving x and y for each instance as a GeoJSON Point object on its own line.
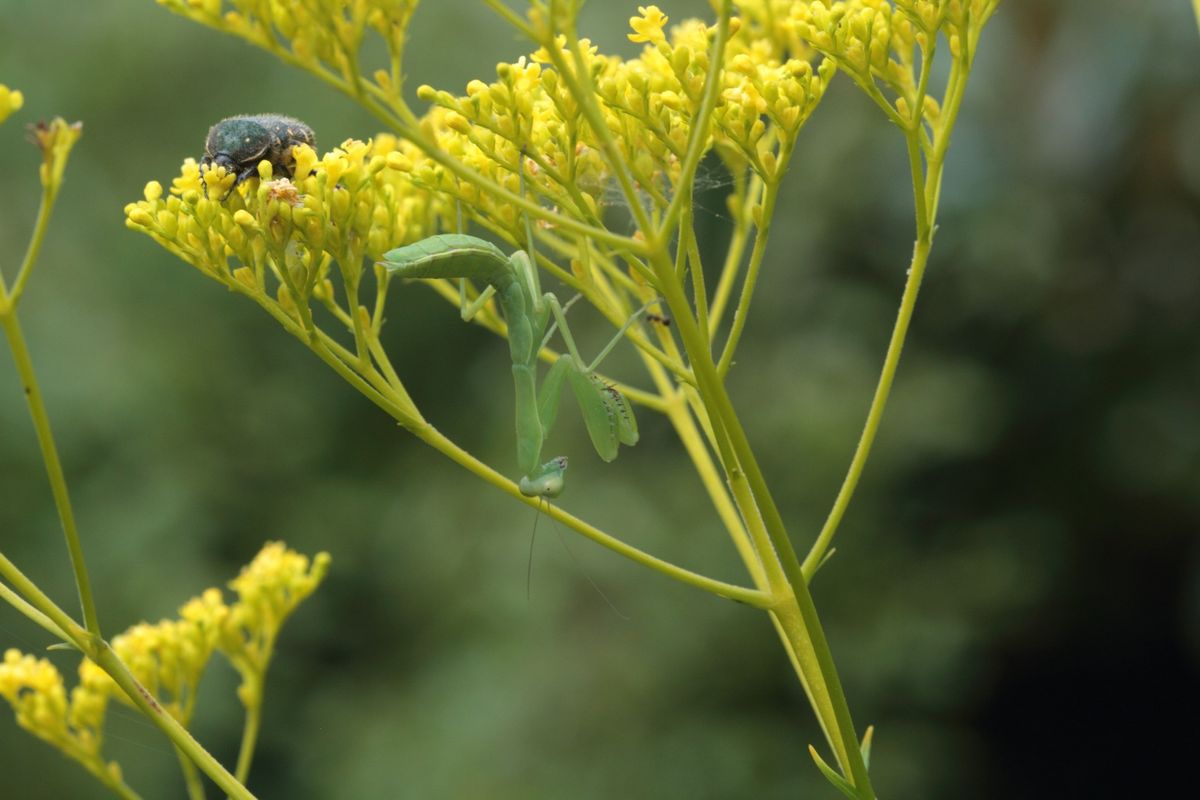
{"type": "Point", "coordinates": [1015, 603]}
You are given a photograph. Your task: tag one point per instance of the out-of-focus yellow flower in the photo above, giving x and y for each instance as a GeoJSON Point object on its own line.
{"type": "Point", "coordinates": [167, 658]}
{"type": "Point", "coordinates": [55, 139]}
{"type": "Point", "coordinates": [269, 588]}
{"type": "Point", "coordinates": [34, 688]}
{"type": "Point", "coordinates": [10, 101]}
{"type": "Point", "coordinates": [648, 26]}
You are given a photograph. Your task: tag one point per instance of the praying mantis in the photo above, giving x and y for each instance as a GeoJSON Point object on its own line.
{"type": "Point", "coordinates": [513, 280]}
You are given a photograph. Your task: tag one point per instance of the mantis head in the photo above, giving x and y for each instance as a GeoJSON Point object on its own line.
{"type": "Point", "coordinates": [547, 480]}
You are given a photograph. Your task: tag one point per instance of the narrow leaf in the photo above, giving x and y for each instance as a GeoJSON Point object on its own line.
{"type": "Point", "coordinates": [839, 783]}
{"type": "Point", "coordinates": [865, 748]}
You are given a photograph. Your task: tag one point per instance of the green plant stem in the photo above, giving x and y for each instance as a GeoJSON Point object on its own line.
{"type": "Point", "coordinates": [54, 470]}
{"type": "Point", "coordinates": [782, 566]}
{"type": "Point", "coordinates": [875, 414]}
{"type": "Point", "coordinates": [733, 256]}
{"type": "Point", "coordinates": [96, 768]}
{"type": "Point", "coordinates": [102, 655]}
{"type": "Point", "coordinates": [191, 776]}
{"type": "Point", "coordinates": [249, 739]}
{"type": "Point", "coordinates": [741, 594]}
{"type": "Point", "coordinates": [36, 598]}
{"type": "Point", "coordinates": [381, 396]}
{"type": "Point", "coordinates": [927, 181]}
{"type": "Point", "coordinates": [41, 620]}
{"type": "Point", "coordinates": [797, 613]}
{"type": "Point", "coordinates": [45, 208]}
{"type": "Point", "coordinates": [107, 660]}
{"type": "Point", "coordinates": [770, 195]}
{"type": "Point", "coordinates": [698, 135]}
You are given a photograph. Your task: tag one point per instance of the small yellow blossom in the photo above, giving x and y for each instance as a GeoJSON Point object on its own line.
{"type": "Point", "coordinates": [10, 101]}
{"type": "Point", "coordinates": [648, 27]}
{"type": "Point", "coordinates": [34, 688]}
{"type": "Point", "coordinates": [269, 589]}
{"type": "Point", "coordinates": [167, 658]}
{"type": "Point", "coordinates": [337, 210]}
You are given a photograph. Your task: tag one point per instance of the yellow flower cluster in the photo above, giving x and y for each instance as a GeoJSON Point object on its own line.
{"type": "Point", "coordinates": [34, 688]}
{"type": "Point", "coordinates": [355, 202]}
{"type": "Point", "coordinates": [10, 100]}
{"type": "Point", "coordinates": [875, 40]}
{"type": "Point", "coordinates": [268, 589]}
{"type": "Point", "coordinates": [167, 658]}
{"type": "Point", "coordinates": [649, 105]}
{"type": "Point", "coordinates": [327, 32]}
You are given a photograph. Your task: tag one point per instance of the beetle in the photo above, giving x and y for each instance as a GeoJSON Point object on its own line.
{"type": "Point", "coordinates": [239, 143]}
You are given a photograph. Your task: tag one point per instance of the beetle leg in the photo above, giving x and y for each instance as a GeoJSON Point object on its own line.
{"type": "Point", "coordinates": [242, 176]}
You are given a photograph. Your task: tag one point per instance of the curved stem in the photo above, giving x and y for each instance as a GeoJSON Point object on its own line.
{"type": "Point", "coordinates": [741, 594]}
{"type": "Point", "coordinates": [45, 207]}
{"type": "Point", "coordinates": [54, 470]}
{"type": "Point", "coordinates": [907, 303]}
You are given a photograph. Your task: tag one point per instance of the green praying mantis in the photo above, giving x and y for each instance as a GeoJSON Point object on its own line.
{"type": "Point", "coordinates": [513, 280]}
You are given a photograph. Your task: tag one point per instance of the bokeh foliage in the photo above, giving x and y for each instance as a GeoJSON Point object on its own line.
{"type": "Point", "coordinates": [1023, 544]}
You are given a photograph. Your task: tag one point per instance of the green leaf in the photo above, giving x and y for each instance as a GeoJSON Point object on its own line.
{"type": "Point", "coordinates": [865, 748]}
{"type": "Point", "coordinates": [841, 784]}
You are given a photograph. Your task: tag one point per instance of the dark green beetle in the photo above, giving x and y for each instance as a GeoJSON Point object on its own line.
{"type": "Point", "coordinates": [239, 143]}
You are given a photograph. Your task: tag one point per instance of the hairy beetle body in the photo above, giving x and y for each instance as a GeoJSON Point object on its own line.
{"type": "Point", "coordinates": [239, 143]}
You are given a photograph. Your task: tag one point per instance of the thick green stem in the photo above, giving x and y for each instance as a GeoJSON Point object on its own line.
{"type": "Point", "coordinates": [107, 660]}
{"type": "Point", "coordinates": [191, 776]}
{"type": "Point", "coordinates": [803, 624]}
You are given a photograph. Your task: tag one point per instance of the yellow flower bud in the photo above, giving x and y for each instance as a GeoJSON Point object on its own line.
{"type": "Point", "coordinates": [10, 101]}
